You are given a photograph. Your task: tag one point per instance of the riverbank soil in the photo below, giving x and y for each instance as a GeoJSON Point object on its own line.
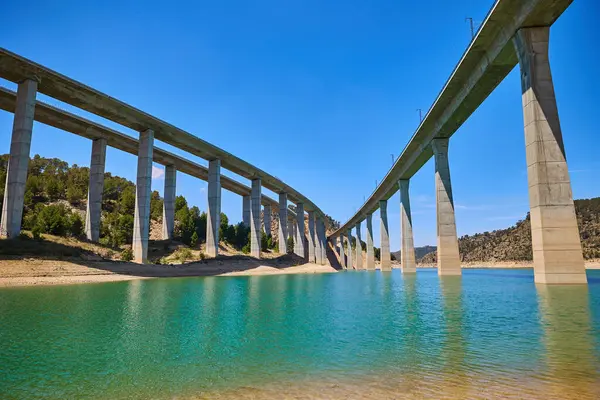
{"type": "Point", "coordinates": [56, 260]}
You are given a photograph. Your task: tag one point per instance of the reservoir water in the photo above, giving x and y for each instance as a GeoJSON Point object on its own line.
{"type": "Point", "coordinates": [491, 333]}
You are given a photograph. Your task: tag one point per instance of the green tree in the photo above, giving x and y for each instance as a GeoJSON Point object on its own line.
{"type": "Point", "coordinates": [156, 206]}
{"type": "Point", "coordinates": [127, 201]}
{"type": "Point", "coordinates": [194, 239]}
{"type": "Point", "coordinates": [53, 219]}
{"type": "Point", "coordinates": [75, 225]}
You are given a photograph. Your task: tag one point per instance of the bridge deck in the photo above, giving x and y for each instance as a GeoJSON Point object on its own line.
{"type": "Point", "coordinates": [69, 122]}
{"type": "Point", "coordinates": [486, 62]}
{"type": "Point", "coordinates": [16, 69]}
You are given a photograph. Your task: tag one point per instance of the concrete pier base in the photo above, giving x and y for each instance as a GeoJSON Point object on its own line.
{"type": "Point", "coordinates": [385, 256]}
{"type": "Point", "coordinates": [213, 214]}
{"type": "Point", "coordinates": [141, 223]}
{"type": "Point", "coordinates": [370, 249]}
{"type": "Point", "coordinates": [16, 174]}
{"type": "Point", "coordinates": [359, 260]}
{"type": "Point", "coordinates": [299, 244]}
{"type": "Point", "coordinates": [407, 253]}
{"type": "Point", "coordinates": [283, 224]}
{"type": "Point", "coordinates": [267, 219]}
{"type": "Point", "coordinates": [312, 242]}
{"type": "Point", "coordinates": [557, 253]}
{"type": "Point", "coordinates": [255, 222]}
{"type": "Point", "coordinates": [246, 210]}
{"type": "Point", "coordinates": [169, 195]}
{"type": "Point", "coordinates": [448, 259]}
{"type": "Point", "coordinates": [95, 189]}
{"type": "Point", "coordinates": [350, 258]}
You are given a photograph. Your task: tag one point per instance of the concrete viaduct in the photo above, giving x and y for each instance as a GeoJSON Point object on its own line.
{"type": "Point", "coordinates": [514, 32]}
{"type": "Point", "coordinates": [33, 78]}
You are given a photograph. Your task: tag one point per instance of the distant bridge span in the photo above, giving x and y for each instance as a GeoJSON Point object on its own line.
{"type": "Point", "coordinates": [33, 78]}
{"type": "Point", "coordinates": [514, 32]}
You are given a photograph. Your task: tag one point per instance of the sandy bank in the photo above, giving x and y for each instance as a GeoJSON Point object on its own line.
{"type": "Point", "coordinates": [29, 272]}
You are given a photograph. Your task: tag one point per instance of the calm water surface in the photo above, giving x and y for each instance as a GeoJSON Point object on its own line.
{"type": "Point", "coordinates": [346, 335]}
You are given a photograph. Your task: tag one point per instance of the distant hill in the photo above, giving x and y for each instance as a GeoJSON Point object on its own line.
{"type": "Point", "coordinates": [419, 252]}
{"type": "Point", "coordinates": [514, 243]}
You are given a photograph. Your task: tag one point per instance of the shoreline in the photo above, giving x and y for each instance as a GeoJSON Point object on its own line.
{"type": "Point", "coordinates": [39, 272]}
{"type": "Point", "coordinates": [589, 264]}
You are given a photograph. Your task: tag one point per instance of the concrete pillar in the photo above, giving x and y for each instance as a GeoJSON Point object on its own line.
{"type": "Point", "coordinates": [323, 242]}
{"type": "Point", "coordinates": [283, 223]}
{"type": "Point", "coordinates": [255, 222]}
{"type": "Point", "coordinates": [350, 262]}
{"type": "Point", "coordinates": [246, 210]}
{"type": "Point", "coordinates": [213, 215]}
{"type": "Point", "coordinates": [448, 259]}
{"type": "Point", "coordinates": [407, 252]}
{"type": "Point", "coordinates": [16, 174]}
{"type": "Point", "coordinates": [384, 256]}
{"type": "Point", "coordinates": [557, 254]}
{"type": "Point", "coordinates": [300, 235]}
{"type": "Point", "coordinates": [141, 222]}
{"type": "Point", "coordinates": [370, 249]}
{"type": "Point", "coordinates": [318, 241]}
{"type": "Point", "coordinates": [342, 252]}
{"type": "Point", "coordinates": [168, 223]}
{"type": "Point", "coordinates": [359, 260]}
{"type": "Point", "coordinates": [267, 219]}
{"type": "Point", "coordinates": [311, 237]}
{"type": "Point", "coordinates": [95, 188]}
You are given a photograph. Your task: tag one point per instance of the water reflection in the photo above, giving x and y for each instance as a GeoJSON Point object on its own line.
{"type": "Point", "coordinates": [347, 335]}
{"type": "Point", "coordinates": [568, 338]}
{"type": "Point", "coordinates": [454, 347]}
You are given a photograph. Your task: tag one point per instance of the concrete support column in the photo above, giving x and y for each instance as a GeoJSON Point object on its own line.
{"type": "Point", "coordinates": [18, 162]}
{"type": "Point", "coordinates": [557, 254]}
{"type": "Point", "coordinates": [246, 210]}
{"type": "Point", "coordinates": [448, 259]}
{"type": "Point", "coordinates": [359, 260]}
{"type": "Point", "coordinates": [311, 237]}
{"type": "Point", "coordinates": [349, 249]}
{"type": "Point", "coordinates": [255, 222]}
{"type": "Point", "coordinates": [319, 242]}
{"type": "Point", "coordinates": [384, 256]}
{"type": "Point", "coordinates": [168, 223]}
{"type": "Point", "coordinates": [407, 253]}
{"type": "Point", "coordinates": [299, 247]}
{"type": "Point", "coordinates": [323, 243]}
{"type": "Point", "coordinates": [283, 223]}
{"type": "Point", "coordinates": [95, 188]}
{"type": "Point", "coordinates": [267, 219]}
{"type": "Point", "coordinates": [213, 216]}
{"type": "Point", "coordinates": [342, 252]}
{"type": "Point", "coordinates": [370, 249]}
{"type": "Point", "coordinates": [141, 222]}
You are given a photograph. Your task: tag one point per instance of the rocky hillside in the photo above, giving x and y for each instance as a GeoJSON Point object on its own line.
{"type": "Point", "coordinates": [419, 252]}
{"type": "Point", "coordinates": [514, 243]}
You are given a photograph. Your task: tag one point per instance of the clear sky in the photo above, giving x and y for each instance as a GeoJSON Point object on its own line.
{"type": "Point", "coordinates": [319, 93]}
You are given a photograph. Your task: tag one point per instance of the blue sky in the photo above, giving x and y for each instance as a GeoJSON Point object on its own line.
{"type": "Point", "coordinates": [318, 93]}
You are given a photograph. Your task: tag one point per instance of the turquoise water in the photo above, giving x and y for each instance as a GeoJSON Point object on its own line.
{"type": "Point", "coordinates": [491, 333]}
